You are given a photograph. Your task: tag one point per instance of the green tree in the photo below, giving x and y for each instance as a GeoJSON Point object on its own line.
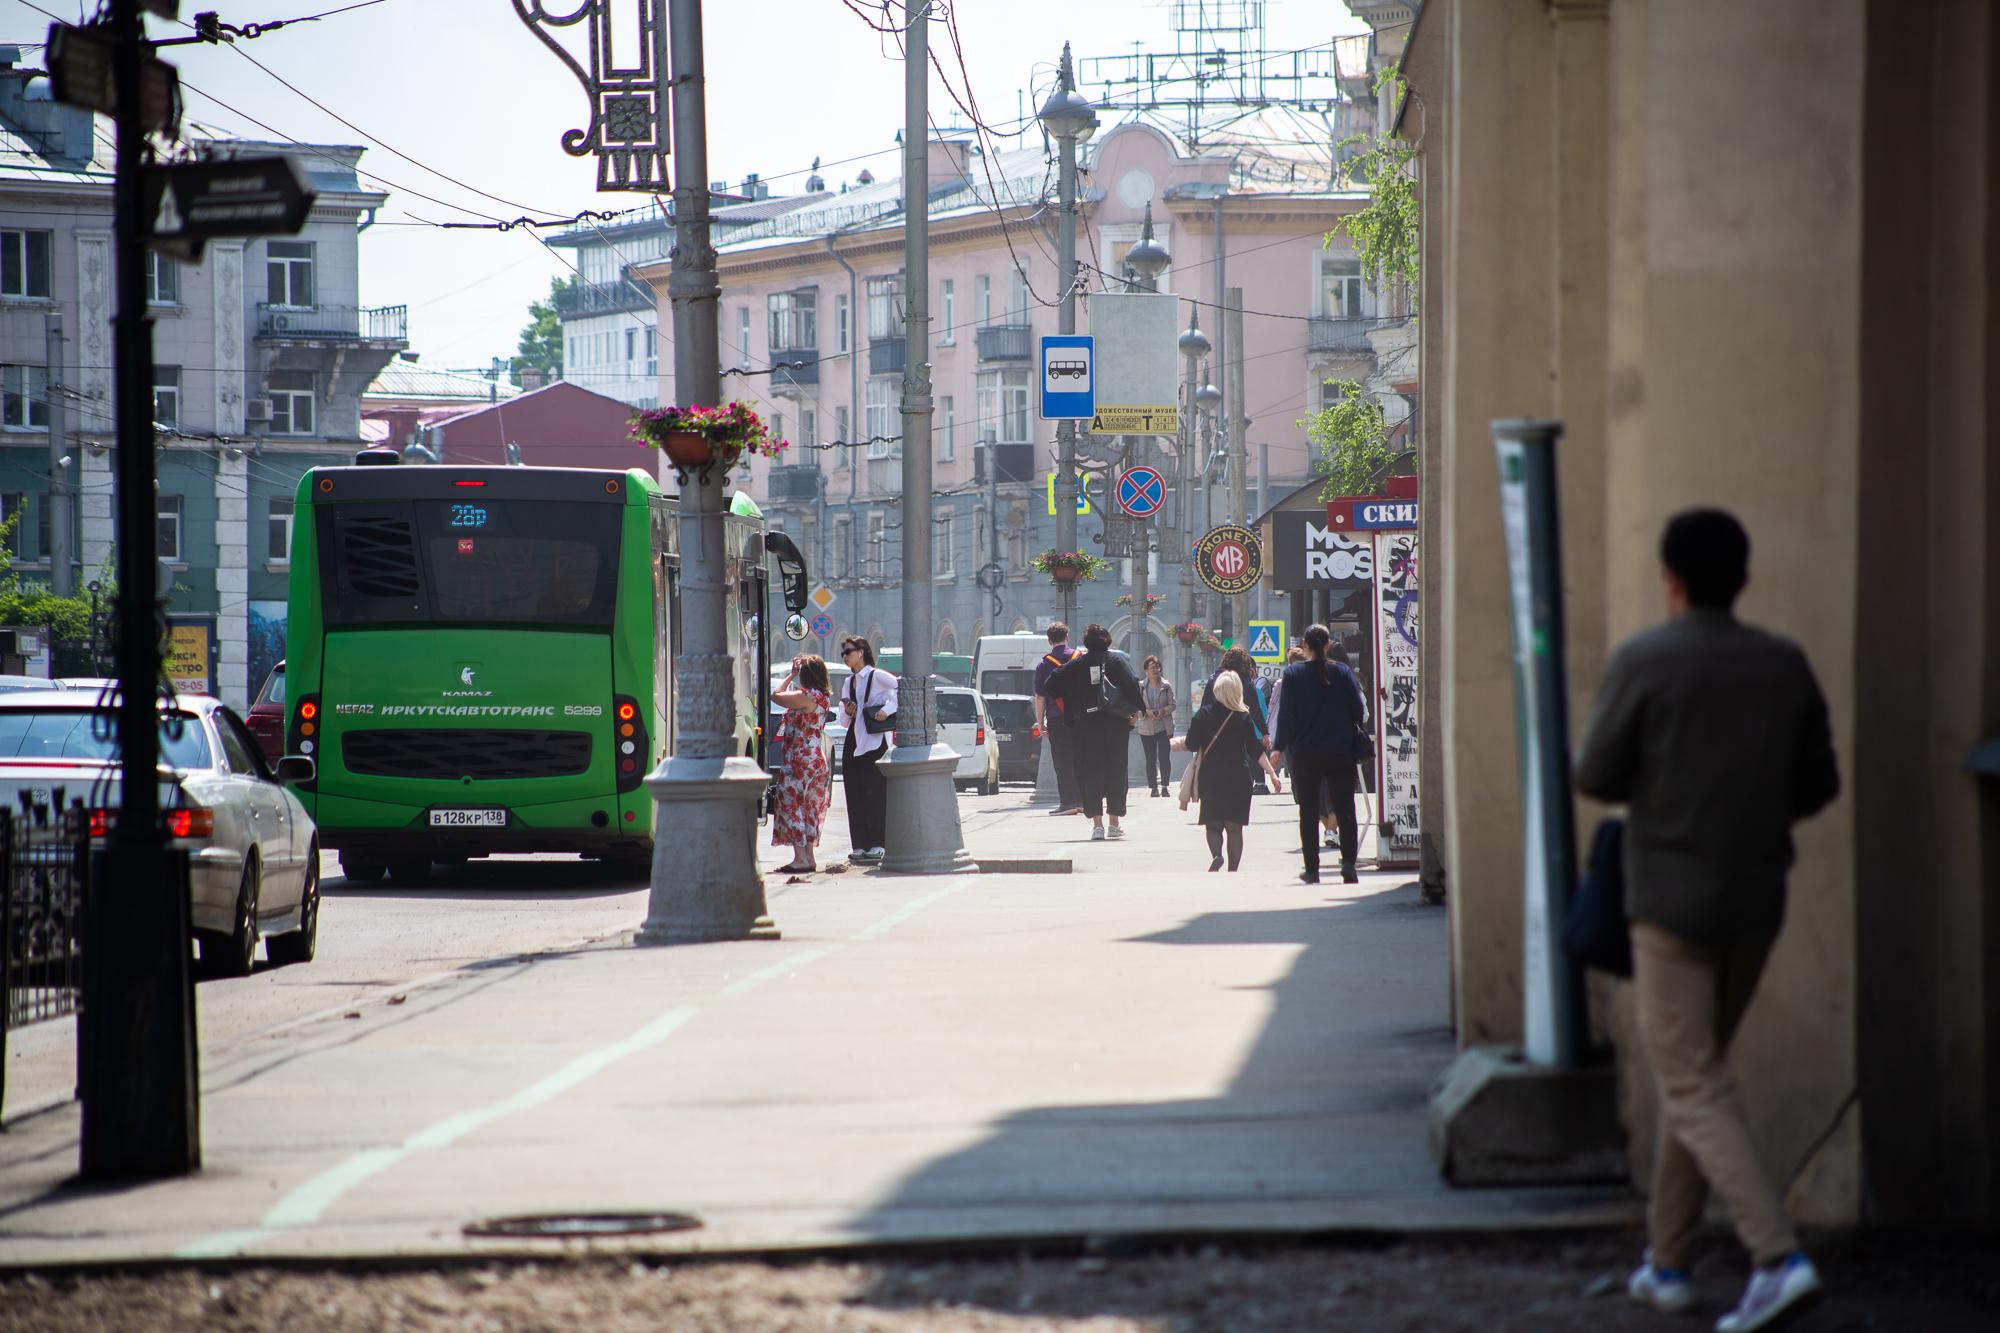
{"type": "Point", "coordinates": [1353, 442]}
{"type": "Point", "coordinates": [1385, 232]}
{"type": "Point", "coordinates": [541, 344]}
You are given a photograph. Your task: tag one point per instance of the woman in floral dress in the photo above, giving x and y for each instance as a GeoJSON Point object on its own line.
{"type": "Point", "coordinates": [804, 784]}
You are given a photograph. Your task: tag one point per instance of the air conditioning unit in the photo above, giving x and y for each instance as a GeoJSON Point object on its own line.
{"type": "Point", "coordinates": [282, 323]}
{"type": "Point", "coordinates": [257, 409]}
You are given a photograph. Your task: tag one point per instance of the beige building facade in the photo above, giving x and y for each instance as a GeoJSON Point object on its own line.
{"type": "Point", "coordinates": [1745, 254]}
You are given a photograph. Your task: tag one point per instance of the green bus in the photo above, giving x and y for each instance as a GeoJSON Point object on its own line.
{"type": "Point", "coordinates": [480, 660]}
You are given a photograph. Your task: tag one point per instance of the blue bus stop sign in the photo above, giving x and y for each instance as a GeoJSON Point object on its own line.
{"type": "Point", "coordinates": [1069, 377]}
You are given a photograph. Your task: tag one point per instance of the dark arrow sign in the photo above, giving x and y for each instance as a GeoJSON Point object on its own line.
{"type": "Point", "coordinates": [188, 203]}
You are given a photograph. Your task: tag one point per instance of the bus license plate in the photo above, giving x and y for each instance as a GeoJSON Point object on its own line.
{"type": "Point", "coordinates": [468, 819]}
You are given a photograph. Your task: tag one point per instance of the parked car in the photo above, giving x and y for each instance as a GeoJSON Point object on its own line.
{"type": "Point", "coordinates": [266, 718]}
{"type": "Point", "coordinates": [961, 724]}
{"type": "Point", "coordinates": [10, 683]}
{"type": "Point", "coordinates": [1013, 720]}
{"type": "Point", "coordinates": [253, 852]}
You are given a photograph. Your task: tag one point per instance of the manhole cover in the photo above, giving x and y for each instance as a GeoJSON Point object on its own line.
{"type": "Point", "coordinates": [574, 1226]}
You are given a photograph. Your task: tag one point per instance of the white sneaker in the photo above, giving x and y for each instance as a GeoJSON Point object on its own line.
{"type": "Point", "coordinates": [877, 853]}
{"type": "Point", "coordinates": [1772, 1293]}
{"type": "Point", "coordinates": [1097, 833]}
{"type": "Point", "coordinates": [1116, 831]}
{"type": "Point", "coordinates": [1667, 1290]}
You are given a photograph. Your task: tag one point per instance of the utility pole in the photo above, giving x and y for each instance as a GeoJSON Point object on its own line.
{"type": "Point", "coordinates": [706, 881]}
{"type": "Point", "coordinates": [1193, 345]}
{"type": "Point", "coordinates": [1239, 450]}
{"type": "Point", "coordinates": [1148, 259]}
{"type": "Point", "coordinates": [922, 835]}
{"type": "Point", "coordinates": [1070, 119]}
{"type": "Point", "coordinates": [62, 549]}
{"type": "Point", "coordinates": [136, 1061]}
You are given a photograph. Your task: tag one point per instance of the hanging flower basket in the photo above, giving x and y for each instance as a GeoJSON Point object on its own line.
{"type": "Point", "coordinates": [1070, 566]}
{"type": "Point", "coordinates": [702, 437]}
{"type": "Point", "coordinates": [1153, 599]}
{"type": "Point", "coordinates": [1211, 642]}
{"type": "Point", "coordinates": [1188, 632]}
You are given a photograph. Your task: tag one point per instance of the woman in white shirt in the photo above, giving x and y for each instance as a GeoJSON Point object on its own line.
{"type": "Point", "coordinates": [868, 707]}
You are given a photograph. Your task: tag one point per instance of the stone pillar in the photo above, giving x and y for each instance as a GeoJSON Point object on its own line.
{"type": "Point", "coordinates": [225, 266]}
{"type": "Point", "coordinates": [94, 491]}
{"type": "Point", "coordinates": [232, 578]}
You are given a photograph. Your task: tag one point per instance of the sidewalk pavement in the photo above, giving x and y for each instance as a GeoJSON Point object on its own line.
{"type": "Point", "coordinates": [1137, 1048]}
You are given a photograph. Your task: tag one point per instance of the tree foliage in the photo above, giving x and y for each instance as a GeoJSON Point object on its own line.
{"type": "Point", "coordinates": [68, 617]}
{"type": "Point", "coordinates": [541, 343]}
{"type": "Point", "coordinates": [1385, 232]}
{"type": "Point", "coordinates": [1352, 437]}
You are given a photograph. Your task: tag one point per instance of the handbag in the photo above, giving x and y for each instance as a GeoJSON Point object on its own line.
{"type": "Point", "coordinates": [1364, 744]}
{"type": "Point", "coordinates": [1110, 699]}
{"type": "Point", "coordinates": [1595, 932]}
{"type": "Point", "coordinates": [1190, 790]}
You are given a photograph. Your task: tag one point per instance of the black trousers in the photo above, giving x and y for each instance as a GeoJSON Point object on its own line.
{"type": "Point", "coordinates": [867, 794]}
{"type": "Point", "coordinates": [1320, 781]}
{"type": "Point", "coordinates": [1159, 759]}
{"type": "Point", "coordinates": [1062, 756]}
{"type": "Point", "coordinates": [1103, 768]}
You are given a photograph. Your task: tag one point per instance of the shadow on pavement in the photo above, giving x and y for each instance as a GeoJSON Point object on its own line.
{"type": "Point", "coordinates": [499, 880]}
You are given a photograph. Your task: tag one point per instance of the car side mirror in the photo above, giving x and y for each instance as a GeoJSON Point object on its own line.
{"type": "Point", "coordinates": [296, 768]}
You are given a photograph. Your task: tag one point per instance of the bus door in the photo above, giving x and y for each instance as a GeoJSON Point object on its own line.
{"type": "Point", "coordinates": [666, 642]}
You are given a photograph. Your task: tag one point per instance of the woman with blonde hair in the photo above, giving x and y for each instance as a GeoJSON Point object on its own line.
{"type": "Point", "coordinates": [1224, 735]}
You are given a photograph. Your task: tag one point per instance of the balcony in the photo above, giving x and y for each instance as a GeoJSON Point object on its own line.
{"type": "Point", "coordinates": [1328, 334]}
{"type": "Point", "coordinates": [794, 483]}
{"type": "Point", "coordinates": [603, 298]}
{"type": "Point", "coordinates": [1005, 342]}
{"type": "Point", "coordinates": [1003, 462]}
{"type": "Point", "coordinates": [886, 356]}
{"type": "Point", "coordinates": [382, 323]}
{"type": "Point", "coordinates": [795, 368]}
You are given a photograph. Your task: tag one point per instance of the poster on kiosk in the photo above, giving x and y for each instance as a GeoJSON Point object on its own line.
{"type": "Point", "coordinates": [1389, 524]}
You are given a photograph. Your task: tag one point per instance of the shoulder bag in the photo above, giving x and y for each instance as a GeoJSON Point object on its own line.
{"type": "Point", "coordinates": [1190, 791]}
{"type": "Point", "coordinates": [1110, 700]}
{"type": "Point", "coordinates": [1595, 932]}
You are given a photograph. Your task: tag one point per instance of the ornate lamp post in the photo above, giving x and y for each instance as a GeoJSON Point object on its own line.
{"type": "Point", "coordinates": [1147, 260]}
{"type": "Point", "coordinates": [1194, 346]}
{"type": "Point", "coordinates": [1070, 120]}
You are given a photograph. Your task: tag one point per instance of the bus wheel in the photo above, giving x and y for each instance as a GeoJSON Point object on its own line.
{"type": "Point", "coordinates": [360, 870]}
{"type": "Point", "coordinates": [413, 871]}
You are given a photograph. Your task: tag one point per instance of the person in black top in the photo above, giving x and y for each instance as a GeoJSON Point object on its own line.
{"type": "Point", "coordinates": [1316, 730]}
{"type": "Point", "coordinates": [1100, 697]}
{"type": "Point", "coordinates": [1231, 750]}
{"type": "Point", "coordinates": [1237, 661]}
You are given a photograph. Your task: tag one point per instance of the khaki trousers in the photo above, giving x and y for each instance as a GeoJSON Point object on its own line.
{"type": "Point", "coordinates": [1690, 998]}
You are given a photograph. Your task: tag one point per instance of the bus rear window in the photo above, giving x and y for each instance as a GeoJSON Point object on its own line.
{"type": "Point", "coordinates": [544, 562]}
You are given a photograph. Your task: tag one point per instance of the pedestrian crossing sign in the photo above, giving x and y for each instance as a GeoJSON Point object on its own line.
{"type": "Point", "coordinates": [1267, 641]}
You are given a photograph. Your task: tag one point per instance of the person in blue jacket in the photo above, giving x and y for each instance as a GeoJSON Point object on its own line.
{"type": "Point", "coordinates": [1316, 730]}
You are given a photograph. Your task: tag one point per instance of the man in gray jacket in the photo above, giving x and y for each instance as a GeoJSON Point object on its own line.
{"type": "Point", "coordinates": [1715, 736]}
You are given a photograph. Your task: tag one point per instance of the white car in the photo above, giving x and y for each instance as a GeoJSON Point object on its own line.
{"type": "Point", "coordinates": [253, 853]}
{"type": "Point", "coordinates": [962, 724]}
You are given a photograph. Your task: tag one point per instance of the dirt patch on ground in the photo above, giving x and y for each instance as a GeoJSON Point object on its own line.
{"type": "Point", "coordinates": [1874, 1283]}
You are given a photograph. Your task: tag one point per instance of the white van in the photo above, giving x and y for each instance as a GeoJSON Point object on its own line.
{"type": "Point", "coordinates": [1005, 663]}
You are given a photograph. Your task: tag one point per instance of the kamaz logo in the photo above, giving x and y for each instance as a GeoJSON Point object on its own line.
{"type": "Point", "coordinates": [465, 675]}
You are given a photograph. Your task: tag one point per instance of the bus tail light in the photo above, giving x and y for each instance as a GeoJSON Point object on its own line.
{"type": "Point", "coordinates": [629, 743]}
{"type": "Point", "coordinates": [304, 730]}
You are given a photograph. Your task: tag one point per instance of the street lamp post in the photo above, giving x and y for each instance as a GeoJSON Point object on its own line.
{"type": "Point", "coordinates": [921, 833]}
{"type": "Point", "coordinates": [1147, 259]}
{"type": "Point", "coordinates": [1206, 399]}
{"type": "Point", "coordinates": [706, 881]}
{"type": "Point", "coordinates": [1193, 344]}
{"type": "Point", "coordinates": [1070, 121]}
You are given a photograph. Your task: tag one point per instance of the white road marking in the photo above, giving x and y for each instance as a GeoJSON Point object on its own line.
{"type": "Point", "coordinates": [307, 1203]}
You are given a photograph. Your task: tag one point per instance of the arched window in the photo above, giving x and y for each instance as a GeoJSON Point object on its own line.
{"type": "Point", "coordinates": [947, 638]}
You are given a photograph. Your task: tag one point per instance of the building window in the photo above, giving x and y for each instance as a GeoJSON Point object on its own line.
{"type": "Point", "coordinates": [1003, 405]}
{"type": "Point", "coordinates": [794, 321]}
{"type": "Point", "coordinates": [12, 507]}
{"type": "Point", "coordinates": [885, 308]}
{"type": "Point", "coordinates": [1018, 296]}
{"type": "Point", "coordinates": [45, 512]}
{"type": "Point", "coordinates": [24, 397]}
{"type": "Point", "coordinates": [947, 429]}
{"type": "Point", "coordinates": [982, 300]}
{"type": "Point", "coordinates": [836, 556]}
{"type": "Point", "coordinates": [291, 402]}
{"type": "Point", "coordinates": [947, 324]}
{"type": "Point", "coordinates": [163, 280]}
{"type": "Point", "coordinates": [652, 353]}
{"type": "Point", "coordinates": [24, 263]}
{"type": "Point", "coordinates": [883, 402]}
{"type": "Point", "coordinates": [942, 538]}
{"type": "Point", "coordinates": [288, 273]}
{"type": "Point", "coordinates": [842, 337]}
{"type": "Point", "coordinates": [1341, 292]}
{"type": "Point", "coordinates": [743, 337]}
{"type": "Point", "coordinates": [877, 553]}
{"type": "Point", "coordinates": [167, 509]}
{"type": "Point", "coordinates": [808, 426]}
{"type": "Point", "coordinates": [166, 395]}
{"type": "Point", "coordinates": [842, 457]}
{"type": "Point", "coordinates": [631, 349]}
{"type": "Point", "coordinates": [278, 530]}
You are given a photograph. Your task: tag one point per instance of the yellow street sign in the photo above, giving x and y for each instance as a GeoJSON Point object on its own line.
{"type": "Point", "coordinates": [1082, 493]}
{"type": "Point", "coordinates": [1144, 419]}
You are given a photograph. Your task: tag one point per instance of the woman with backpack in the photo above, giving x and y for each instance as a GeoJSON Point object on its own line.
{"type": "Point", "coordinates": [1316, 730]}
{"type": "Point", "coordinates": [1230, 750]}
{"type": "Point", "coordinates": [1100, 698]}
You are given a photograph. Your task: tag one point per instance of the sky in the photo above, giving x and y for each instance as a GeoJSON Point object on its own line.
{"type": "Point", "coordinates": [458, 101]}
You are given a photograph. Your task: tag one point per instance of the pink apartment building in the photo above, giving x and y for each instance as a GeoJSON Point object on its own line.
{"type": "Point", "coordinates": [812, 334]}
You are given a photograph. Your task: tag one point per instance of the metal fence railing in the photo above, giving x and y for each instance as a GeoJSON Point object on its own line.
{"type": "Point", "coordinates": [44, 873]}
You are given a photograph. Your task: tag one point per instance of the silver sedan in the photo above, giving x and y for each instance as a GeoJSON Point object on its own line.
{"type": "Point", "coordinates": [253, 852]}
